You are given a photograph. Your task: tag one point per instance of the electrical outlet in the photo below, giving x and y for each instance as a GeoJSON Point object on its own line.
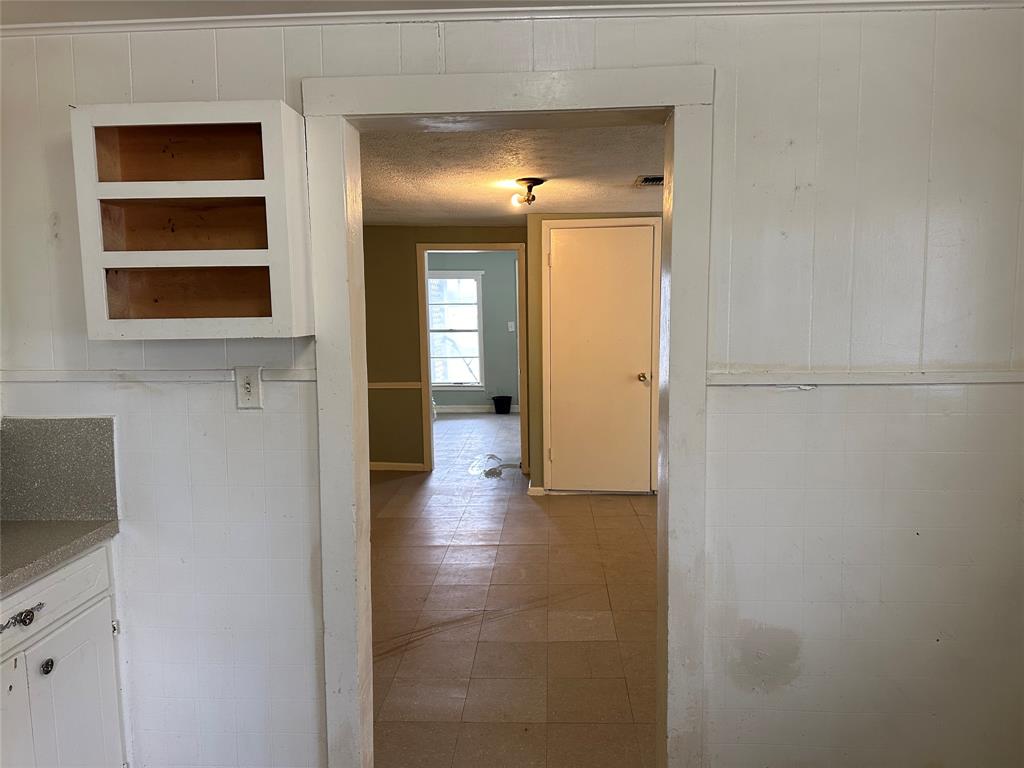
{"type": "Point", "coordinates": [248, 388]}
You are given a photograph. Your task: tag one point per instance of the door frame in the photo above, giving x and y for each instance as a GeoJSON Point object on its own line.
{"type": "Point", "coordinates": [545, 316]}
{"type": "Point", "coordinates": [421, 271]}
{"type": "Point", "coordinates": [335, 108]}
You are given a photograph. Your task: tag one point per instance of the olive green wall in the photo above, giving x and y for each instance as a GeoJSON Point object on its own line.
{"type": "Point", "coordinates": [396, 425]}
{"type": "Point", "coordinates": [392, 328]}
{"type": "Point", "coordinates": [534, 340]}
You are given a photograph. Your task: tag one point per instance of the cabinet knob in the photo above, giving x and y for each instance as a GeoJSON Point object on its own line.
{"type": "Point", "coordinates": [46, 667]}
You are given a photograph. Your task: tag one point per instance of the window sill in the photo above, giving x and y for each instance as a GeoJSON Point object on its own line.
{"type": "Point", "coordinates": [458, 387]}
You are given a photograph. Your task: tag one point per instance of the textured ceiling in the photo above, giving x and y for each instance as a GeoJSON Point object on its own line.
{"type": "Point", "coordinates": [465, 178]}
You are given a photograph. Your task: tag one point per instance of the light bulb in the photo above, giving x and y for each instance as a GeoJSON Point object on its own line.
{"type": "Point", "coordinates": [517, 200]}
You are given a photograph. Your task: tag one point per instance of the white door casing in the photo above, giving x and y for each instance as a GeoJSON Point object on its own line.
{"type": "Point", "coordinates": [600, 290]}
{"type": "Point", "coordinates": [335, 109]}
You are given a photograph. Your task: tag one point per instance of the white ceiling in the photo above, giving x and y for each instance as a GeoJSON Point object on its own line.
{"type": "Point", "coordinates": [466, 178]}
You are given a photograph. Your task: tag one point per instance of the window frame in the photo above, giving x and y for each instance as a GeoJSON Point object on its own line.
{"type": "Point", "coordinates": [457, 274]}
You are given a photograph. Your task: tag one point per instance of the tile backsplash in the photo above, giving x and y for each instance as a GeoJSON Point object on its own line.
{"type": "Point", "coordinates": [217, 567]}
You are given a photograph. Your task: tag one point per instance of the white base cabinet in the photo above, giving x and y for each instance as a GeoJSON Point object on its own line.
{"type": "Point", "coordinates": [72, 693]}
{"type": "Point", "coordinates": [61, 706]}
{"type": "Point", "coordinates": [16, 748]}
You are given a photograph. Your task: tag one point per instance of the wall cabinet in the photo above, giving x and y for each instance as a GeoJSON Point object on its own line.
{"type": "Point", "coordinates": [60, 692]}
{"type": "Point", "coordinates": [193, 220]}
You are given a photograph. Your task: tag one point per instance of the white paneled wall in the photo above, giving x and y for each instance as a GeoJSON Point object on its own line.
{"type": "Point", "coordinates": [864, 570]}
{"type": "Point", "coordinates": [218, 567]}
{"type": "Point", "coordinates": [868, 211]}
{"type": "Point", "coordinates": [867, 173]}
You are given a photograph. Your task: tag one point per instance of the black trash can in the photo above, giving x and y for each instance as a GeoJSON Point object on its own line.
{"type": "Point", "coordinates": [502, 403]}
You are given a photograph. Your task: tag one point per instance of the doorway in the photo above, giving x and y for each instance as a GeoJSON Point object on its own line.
{"type": "Point", "coordinates": [472, 298]}
{"type": "Point", "coordinates": [333, 140]}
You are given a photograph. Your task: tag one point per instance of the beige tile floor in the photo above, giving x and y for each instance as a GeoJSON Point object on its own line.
{"type": "Point", "coordinates": [509, 631]}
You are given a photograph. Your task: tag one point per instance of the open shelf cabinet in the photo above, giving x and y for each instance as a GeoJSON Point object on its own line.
{"type": "Point", "coordinates": [193, 220]}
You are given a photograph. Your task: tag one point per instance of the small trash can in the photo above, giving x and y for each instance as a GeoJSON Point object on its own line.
{"type": "Point", "coordinates": [502, 403]}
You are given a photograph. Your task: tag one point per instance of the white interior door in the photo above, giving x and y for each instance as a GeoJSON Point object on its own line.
{"type": "Point", "coordinates": [599, 361]}
{"type": "Point", "coordinates": [72, 684]}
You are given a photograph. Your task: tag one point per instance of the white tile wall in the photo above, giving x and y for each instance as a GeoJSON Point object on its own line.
{"type": "Point", "coordinates": [218, 567]}
{"type": "Point", "coordinates": [864, 569]}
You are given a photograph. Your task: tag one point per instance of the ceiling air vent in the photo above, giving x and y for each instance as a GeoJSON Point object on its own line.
{"type": "Point", "coordinates": [649, 181]}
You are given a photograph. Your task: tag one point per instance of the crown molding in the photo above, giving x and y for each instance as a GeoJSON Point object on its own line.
{"type": "Point", "coordinates": [553, 11]}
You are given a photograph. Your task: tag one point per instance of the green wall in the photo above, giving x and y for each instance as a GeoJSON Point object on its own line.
{"type": "Point", "coordinates": [500, 351]}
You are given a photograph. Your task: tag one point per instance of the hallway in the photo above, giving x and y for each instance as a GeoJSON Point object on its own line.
{"type": "Point", "coordinates": [509, 631]}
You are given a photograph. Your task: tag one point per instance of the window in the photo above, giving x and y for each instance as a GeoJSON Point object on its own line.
{"type": "Point", "coordinates": [453, 308]}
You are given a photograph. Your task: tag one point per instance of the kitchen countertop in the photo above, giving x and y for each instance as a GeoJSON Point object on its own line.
{"type": "Point", "coordinates": [31, 548]}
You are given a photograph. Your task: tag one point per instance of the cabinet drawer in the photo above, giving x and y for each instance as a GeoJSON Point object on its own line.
{"type": "Point", "coordinates": [62, 591]}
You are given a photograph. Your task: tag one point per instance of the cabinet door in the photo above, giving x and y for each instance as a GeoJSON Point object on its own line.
{"type": "Point", "coordinates": [16, 749]}
{"type": "Point", "coordinates": [72, 685]}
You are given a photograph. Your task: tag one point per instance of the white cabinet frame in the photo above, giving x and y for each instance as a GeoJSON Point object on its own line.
{"type": "Point", "coordinates": [283, 187]}
{"type": "Point", "coordinates": [335, 109]}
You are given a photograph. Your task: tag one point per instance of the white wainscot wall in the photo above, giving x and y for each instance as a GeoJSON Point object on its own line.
{"type": "Point", "coordinates": [217, 568]}
{"type": "Point", "coordinates": [864, 576]}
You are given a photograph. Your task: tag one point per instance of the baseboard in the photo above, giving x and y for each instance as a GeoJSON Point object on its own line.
{"type": "Point", "coordinates": [396, 466]}
{"type": "Point", "coordinates": [469, 408]}
{"type": "Point", "coordinates": [535, 490]}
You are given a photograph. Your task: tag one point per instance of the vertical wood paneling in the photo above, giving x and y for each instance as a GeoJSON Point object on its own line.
{"type": "Point", "coordinates": [973, 203]}
{"type": "Point", "coordinates": [103, 73]}
{"type": "Point", "coordinates": [362, 49]}
{"type": "Point", "coordinates": [421, 49]}
{"type": "Point", "coordinates": [716, 42]}
{"type": "Point", "coordinates": [563, 44]}
{"type": "Point", "coordinates": [250, 63]}
{"type": "Point", "coordinates": [174, 66]}
{"type": "Point", "coordinates": [488, 46]}
{"type": "Point", "coordinates": [27, 338]}
{"type": "Point", "coordinates": [662, 42]}
{"type": "Point", "coordinates": [613, 41]}
{"type": "Point", "coordinates": [892, 171]}
{"type": "Point", "coordinates": [302, 58]}
{"type": "Point", "coordinates": [773, 217]}
{"type": "Point", "coordinates": [55, 71]}
{"type": "Point", "coordinates": [834, 191]}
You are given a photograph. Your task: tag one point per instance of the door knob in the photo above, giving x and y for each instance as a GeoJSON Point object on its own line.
{"type": "Point", "coordinates": [642, 376]}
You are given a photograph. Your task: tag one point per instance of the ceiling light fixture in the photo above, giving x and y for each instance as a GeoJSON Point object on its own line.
{"type": "Point", "coordinates": [529, 183]}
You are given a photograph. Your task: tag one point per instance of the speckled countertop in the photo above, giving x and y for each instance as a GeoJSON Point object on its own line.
{"type": "Point", "coordinates": [31, 548]}
{"type": "Point", "coordinates": [58, 494]}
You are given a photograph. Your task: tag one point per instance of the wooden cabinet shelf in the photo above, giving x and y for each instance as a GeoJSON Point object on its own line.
{"type": "Point", "coordinates": [196, 152]}
{"type": "Point", "coordinates": [180, 292]}
{"type": "Point", "coordinates": [193, 220]}
{"type": "Point", "coordinates": [184, 224]}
